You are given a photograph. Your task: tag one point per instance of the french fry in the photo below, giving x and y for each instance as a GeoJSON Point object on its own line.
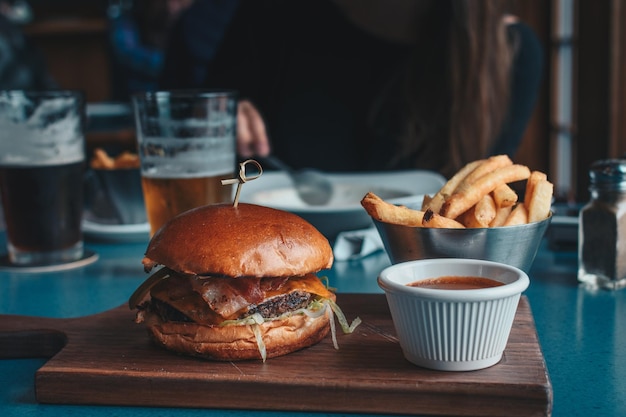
{"type": "Point", "coordinates": [504, 196]}
{"type": "Point", "coordinates": [126, 160]}
{"type": "Point", "coordinates": [386, 212]}
{"type": "Point", "coordinates": [519, 215]}
{"type": "Point", "coordinates": [533, 179]}
{"type": "Point", "coordinates": [448, 188]}
{"type": "Point", "coordinates": [491, 164]}
{"type": "Point", "coordinates": [426, 201]}
{"type": "Point", "coordinates": [461, 201]}
{"type": "Point", "coordinates": [469, 220]}
{"type": "Point", "coordinates": [432, 219]}
{"type": "Point", "coordinates": [540, 201]}
{"type": "Point", "coordinates": [101, 160]}
{"type": "Point", "coordinates": [485, 210]}
{"type": "Point", "coordinates": [481, 214]}
{"type": "Point", "coordinates": [502, 214]}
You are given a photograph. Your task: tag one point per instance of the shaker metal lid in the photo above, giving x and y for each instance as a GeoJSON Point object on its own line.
{"type": "Point", "coordinates": [609, 172]}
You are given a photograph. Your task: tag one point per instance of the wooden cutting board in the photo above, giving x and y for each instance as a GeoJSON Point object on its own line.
{"type": "Point", "coordinates": [108, 359]}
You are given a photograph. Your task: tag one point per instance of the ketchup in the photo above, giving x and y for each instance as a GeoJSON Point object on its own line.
{"type": "Point", "coordinates": [456, 283]}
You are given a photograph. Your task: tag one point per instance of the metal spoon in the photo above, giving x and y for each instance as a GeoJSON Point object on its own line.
{"type": "Point", "coordinates": [311, 185]}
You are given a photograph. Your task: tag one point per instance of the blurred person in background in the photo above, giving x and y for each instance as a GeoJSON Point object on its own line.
{"type": "Point", "coordinates": [362, 85]}
{"type": "Point", "coordinates": [194, 42]}
{"type": "Point", "coordinates": [22, 67]}
{"type": "Point", "coordinates": [139, 34]}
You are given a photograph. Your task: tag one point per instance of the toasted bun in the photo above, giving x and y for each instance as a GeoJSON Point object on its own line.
{"type": "Point", "coordinates": [232, 343]}
{"type": "Point", "coordinates": [247, 240]}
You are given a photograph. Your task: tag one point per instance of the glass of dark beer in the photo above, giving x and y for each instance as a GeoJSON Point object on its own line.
{"type": "Point", "coordinates": [42, 160]}
{"type": "Point", "coordinates": [186, 142]}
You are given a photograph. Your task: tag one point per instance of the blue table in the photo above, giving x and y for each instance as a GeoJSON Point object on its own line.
{"type": "Point", "coordinates": [580, 332]}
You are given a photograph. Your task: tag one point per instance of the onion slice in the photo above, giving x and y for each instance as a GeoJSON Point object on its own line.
{"type": "Point", "coordinates": [259, 341]}
{"type": "Point", "coordinates": [333, 331]}
{"type": "Point", "coordinates": [347, 328]}
{"type": "Point", "coordinates": [145, 286]}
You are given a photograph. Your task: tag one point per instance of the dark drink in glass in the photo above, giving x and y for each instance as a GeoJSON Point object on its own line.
{"type": "Point", "coordinates": [42, 156]}
{"type": "Point", "coordinates": [43, 209]}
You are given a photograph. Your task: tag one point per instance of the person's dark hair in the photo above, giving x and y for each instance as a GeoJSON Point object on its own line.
{"type": "Point", "coordinates": [459, 101]}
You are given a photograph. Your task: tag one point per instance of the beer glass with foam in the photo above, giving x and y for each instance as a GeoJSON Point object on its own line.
{"type": "Point", "coordinates": [186, 142]}
{"type": "Point", "coordinates": [42, 157]}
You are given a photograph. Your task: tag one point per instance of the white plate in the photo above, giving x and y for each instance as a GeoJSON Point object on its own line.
{"type": "Point", "coordinates": [344, 211]}
{"type": "Point", "coordinates": [116, 232]}
{"type": "Point", "coordinates": [88, 258]}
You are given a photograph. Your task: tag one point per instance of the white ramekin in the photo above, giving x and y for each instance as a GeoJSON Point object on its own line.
{"type": "Point", "coordinates": [452, 330]}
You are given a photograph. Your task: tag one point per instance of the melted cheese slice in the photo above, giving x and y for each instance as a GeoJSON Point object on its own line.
{"type": "Point", "coordinates": [307, 283]}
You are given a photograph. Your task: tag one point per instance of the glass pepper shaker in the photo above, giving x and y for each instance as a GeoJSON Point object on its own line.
{"type": "Point", "coordinates": [602, 230]}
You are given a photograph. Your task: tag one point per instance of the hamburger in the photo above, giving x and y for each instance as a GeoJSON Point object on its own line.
{"type": "Point", "coordinates": [236, 283]}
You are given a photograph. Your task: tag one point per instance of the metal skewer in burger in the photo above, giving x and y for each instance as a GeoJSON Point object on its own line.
{"type": "Point", "coordinates": [237, 282]}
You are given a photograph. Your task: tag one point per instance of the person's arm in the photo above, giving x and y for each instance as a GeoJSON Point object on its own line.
{"type": "Point", "coordinates": [240, 63]}
{"type": "Point", "coordinates": [251, 134]}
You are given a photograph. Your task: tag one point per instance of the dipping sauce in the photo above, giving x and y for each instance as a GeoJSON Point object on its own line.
{"type": "Point", "coordinates": [456, 283]}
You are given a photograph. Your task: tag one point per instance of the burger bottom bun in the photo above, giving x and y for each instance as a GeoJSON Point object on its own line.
{"type": "Point", "coordinates": [234, 342]}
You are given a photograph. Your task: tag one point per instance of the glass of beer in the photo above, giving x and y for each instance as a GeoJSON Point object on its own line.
{"type": "Point", "coordinates": [186, 142]}
{"type": "Point", "coordinates": [42, 162]}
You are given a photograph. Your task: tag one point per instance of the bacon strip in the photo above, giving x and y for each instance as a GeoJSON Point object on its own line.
{"type": "Point", "coordinates": [227, 296]}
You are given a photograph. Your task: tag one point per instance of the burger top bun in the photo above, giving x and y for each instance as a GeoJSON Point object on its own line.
{"type": "Point", "coordinates": [243, 241]}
